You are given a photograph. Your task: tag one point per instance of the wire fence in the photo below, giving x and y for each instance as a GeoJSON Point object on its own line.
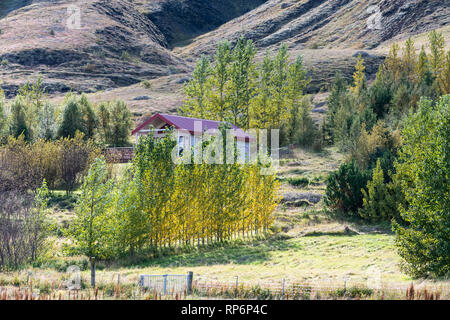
{"type": "Point", "coordinates": [285, 289]}
{"type": "Point", "coordinates": [168, 283]}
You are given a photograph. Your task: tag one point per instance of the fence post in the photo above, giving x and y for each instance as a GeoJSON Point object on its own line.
{"type": "Point", "coordinates": [189, 282]}
{"type": "Point", "coordinates": [165, 283]}
{"type": "Point", "coordinates": [142, 281]}
{"type": "Point", "coordinates": [284, 281]}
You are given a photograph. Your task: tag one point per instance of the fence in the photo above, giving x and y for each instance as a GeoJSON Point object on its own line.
{"type": "Point", "coordinates": [119, 155]}
{"type": "Point", "coordinates": [284, 289]}
{"type": "Point", "coordinates": [168, 283]}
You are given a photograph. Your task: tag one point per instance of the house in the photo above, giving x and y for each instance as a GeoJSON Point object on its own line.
{"type": "Point", "coordinates": [189, 131]}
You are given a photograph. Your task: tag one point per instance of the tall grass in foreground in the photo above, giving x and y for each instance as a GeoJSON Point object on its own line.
{"type": "Point", "coordinates": [217, 291]}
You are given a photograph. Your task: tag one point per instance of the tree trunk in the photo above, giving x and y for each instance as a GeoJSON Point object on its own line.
{"type": "Point", "coordinates": [92, 261]}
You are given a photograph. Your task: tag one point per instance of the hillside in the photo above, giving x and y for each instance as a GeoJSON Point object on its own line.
{"type": "Point", "coordinates": [327, 24]}
{"type": "Point", "coordinates": [181, 20]}
{"type": "Point", "coordinates": [116, 46]}
{"type": "Point", "coordinates": [123, 42]}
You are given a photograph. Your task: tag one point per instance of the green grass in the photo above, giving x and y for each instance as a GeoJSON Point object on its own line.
{"type": "Point", "coordinates": [326, 257]}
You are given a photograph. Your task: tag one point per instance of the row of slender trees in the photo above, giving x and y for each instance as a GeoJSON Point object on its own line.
{"type": "Point", "coordinates": [157, 204]}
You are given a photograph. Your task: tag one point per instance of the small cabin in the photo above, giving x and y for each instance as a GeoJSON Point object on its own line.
{"type": "Point", "coordinates": [189, 131]}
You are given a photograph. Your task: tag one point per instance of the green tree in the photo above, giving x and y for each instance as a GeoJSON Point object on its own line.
{"type": "Point", "coordinates": [220, 80]}
{"type": "Point", "coordinates": [90, 121]}
{"type": "Point", "coordinates": [196, 91]}
{"type": "Point", "coordinates": [72, 118]}
{"type": "Point", "coordinates": [120, 124]}
{"type": "Point", "coordinates": [344, 187]}
{"type": "Point", "coordinates": [423, 171]}
{"type": "Point", "coordinates": [92, 229]}
{"type": "Point", "coordinates": [47, 122]}
{"type": "Point", "coordinates": [261, 106]}
{"type": "Point", "coordinates": [279, 87]}
{"type": "Point", "coordinates": [104, 122]}
{"type": "Point", "coordinates": [437, 54]}
{"type": "Point", "coordinates": [381, 200]}
{"type": "Point", "coordinates": [242, 82]}
{"type": "Point", "coordinates": [3, 118]}
{"type": "Point", "coordinates": [18, 122]}
{"type": "Point", "coordinates": [334, 102]}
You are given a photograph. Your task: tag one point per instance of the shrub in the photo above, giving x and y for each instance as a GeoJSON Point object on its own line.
{"type": "Point", "coordinates": [343, 192]}
{"type": "Point", "coordinates": [125, 56]}
{"type": "Point", "coordinates": [352, 293]}
{"type": "Point", "coordinates": [24, 228]}
{"type": "Point", "coordinates": [299, 182]}
{"type": "Point", "coordinates": [146, 84]}
{"type": "Point", "coordinates": [76, 155]}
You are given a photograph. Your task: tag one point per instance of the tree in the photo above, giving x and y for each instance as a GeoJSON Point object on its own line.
{"type": "Point", "coordinates": [422, 66]}
{"type": "Point", "coordinates": [72, 118]}
{"type": "Point", "coordinates": [220, 79]}
{"type": "Point", "coordinates": [120, 122]}
{"type": "Point", "coordinates": [279, 87]}
{"type": "Point", "coordinates": [47, 122]}
{"type": "Point", "coordinates": [3, 118]}
{"type": "Point", "coordinates": [90, 121]}
{"type": "Point", "coordinates": [423, 171]}
{"type": "Point", "coordinates": [444, 76]}
{"type": "Point", "coordinates": [380, 95]}
{"type": "Point", "coordinates": [242, 82]}
{"type": "Point", "coordinates": [91, 228]}
{"type": "Point", "coordinates": [303, 130]}
{"type": "Point", "coordinates": [381, 200]}
{"type": "Point", "coordinates": [344, 187]}
{"type": "Point", "coordinates": [104, 122]}
{"type": "Point", "coordinates": [437, 54]}
{"type": "Point", "coordinates": [18, 119]}
{"type": "Point", "coordinates": [359, 78]}
{"type": "Point", "coordinates": [196, 103]}
{"type": "Point", "coordinates": [409, 59]}
{"type": "Point", "coordinates": [261, 104]}
{"type": "Point", "coordinates": [33, 94]}
{"type": "Point", "coordinates": [334, 101]}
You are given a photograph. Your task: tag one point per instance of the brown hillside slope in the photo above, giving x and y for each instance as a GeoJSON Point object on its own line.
{"type": "Point", "coordinates": [328, 33]}
{"type": "Point", "coordinates": [116, 46]}
{"type": "Point", "coordinates": [327, 23]}
{"type": "Point", "coordinates": [181, 20]}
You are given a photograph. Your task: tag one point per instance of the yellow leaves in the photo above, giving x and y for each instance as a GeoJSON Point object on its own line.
{"type": "Point", "coordinates": [358, 77]}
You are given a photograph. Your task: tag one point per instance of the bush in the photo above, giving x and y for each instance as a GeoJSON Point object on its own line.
{"type": "Point", "coordinates": [299, 182]}
{"type": "Point", "coordinates": [343, 192]}
{"type": "Point", "coordinates": [23, 166]}
{"type": "Point", "coordinates": [24, 228]}
{"type": "Point", "coordinates": [76, 155]}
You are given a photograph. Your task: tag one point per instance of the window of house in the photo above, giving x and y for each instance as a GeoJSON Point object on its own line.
{"type": "Point", "coordinates": [181, 145]}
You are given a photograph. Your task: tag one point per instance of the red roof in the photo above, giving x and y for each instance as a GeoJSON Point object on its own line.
{"type": "Point", "coordinates": [185, 123]}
